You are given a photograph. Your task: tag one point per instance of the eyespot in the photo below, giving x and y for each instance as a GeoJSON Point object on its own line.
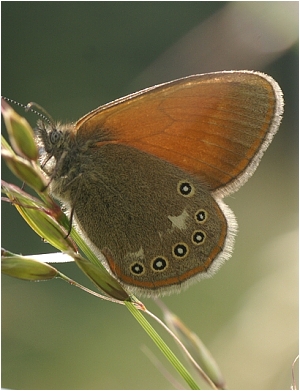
{"type": "Point", "coordinates": [54, 136]}
{"type": "Point", "coordinates": [137, 268]}
{"type": "Point", "coordinates": [180, 250]}
{"type": "Point", "coordinates": [198, 237]}
{"type": "Point", "coordinates": [159, 264]}
{"type": "Point", "coordinates": [185, 188]}
{"type": "Point", "coordinates": [201, 216]}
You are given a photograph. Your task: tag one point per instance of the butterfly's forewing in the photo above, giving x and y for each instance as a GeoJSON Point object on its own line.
{"type": "Point", "coordinates": [215, 126]}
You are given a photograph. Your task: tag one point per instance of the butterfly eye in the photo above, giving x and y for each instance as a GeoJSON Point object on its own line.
{"type": "Point", "coordinates": [54, 136]}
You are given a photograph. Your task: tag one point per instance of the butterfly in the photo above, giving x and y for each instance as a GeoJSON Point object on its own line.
{"type": "Point", "coordinates": [145, 175]}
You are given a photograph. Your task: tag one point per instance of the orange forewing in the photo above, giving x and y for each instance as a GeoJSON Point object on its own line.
{"type": "Point", "coordinates": [210, 125]}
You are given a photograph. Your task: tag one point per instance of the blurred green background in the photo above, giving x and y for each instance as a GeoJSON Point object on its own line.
{"type": "Point", "coordinates": [71, 57]}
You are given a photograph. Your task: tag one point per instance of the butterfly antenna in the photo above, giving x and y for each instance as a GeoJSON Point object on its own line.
{"type": "Point", "coordinates": [46, 116]}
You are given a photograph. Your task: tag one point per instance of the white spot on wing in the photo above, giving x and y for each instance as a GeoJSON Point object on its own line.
{"type": "Point", "coordinates": [179, 221]}
{"type": "Point", "coordinates": [138, 255]}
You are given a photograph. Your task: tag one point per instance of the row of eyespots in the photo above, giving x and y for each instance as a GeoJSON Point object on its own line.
{"type": "Point", "coordinates": [179, 250]}
{"type": "Point", "coordinates": [160, 263]}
